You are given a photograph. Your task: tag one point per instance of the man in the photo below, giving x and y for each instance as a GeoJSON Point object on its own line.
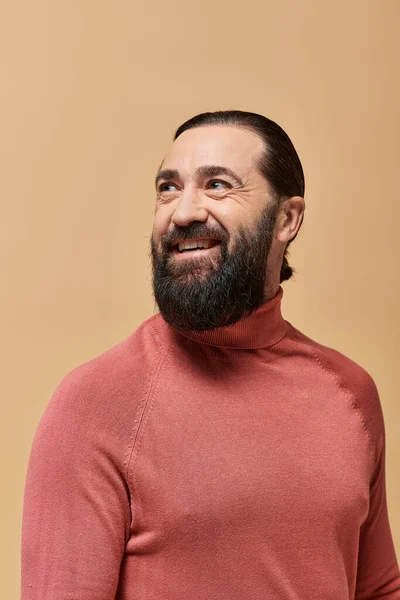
{"type": "Point", "coordinates": [217, 452]}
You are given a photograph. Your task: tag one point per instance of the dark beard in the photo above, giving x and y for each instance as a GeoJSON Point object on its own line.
{"type": "Point", "coordinates": [201, 295]}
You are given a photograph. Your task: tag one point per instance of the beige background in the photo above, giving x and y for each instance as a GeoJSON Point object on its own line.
{"type": "Point", "coordinates": [91, 92]}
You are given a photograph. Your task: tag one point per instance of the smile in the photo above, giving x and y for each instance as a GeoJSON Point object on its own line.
{"type": "Point", "coordinates": [195, 244]}
{"type": "Point", "coordinates": [195, 247]}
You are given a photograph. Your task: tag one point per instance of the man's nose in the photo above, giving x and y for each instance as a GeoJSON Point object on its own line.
{"type": "Point", "coordinates": [190, 208]}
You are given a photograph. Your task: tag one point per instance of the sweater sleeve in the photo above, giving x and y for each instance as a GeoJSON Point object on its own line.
{"type": "Point", "coordinates": [378, 575]}
{"type": "Point", "coordinates": [76, 510]}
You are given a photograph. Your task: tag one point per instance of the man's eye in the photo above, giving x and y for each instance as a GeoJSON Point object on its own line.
{"type": "Point", "coordinates": [218, 184]}
{"type": "Point", "coordinates": [166, 187]}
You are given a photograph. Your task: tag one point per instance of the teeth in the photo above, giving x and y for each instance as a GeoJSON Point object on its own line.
{"type": "Point", "coordinates": [191, 245]}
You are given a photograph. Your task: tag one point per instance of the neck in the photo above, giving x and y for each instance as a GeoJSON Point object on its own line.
{"type": "Point", "coordinates": [264, 327]}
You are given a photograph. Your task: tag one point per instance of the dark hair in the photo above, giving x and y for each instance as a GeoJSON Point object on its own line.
{"type": "Point", "coordinates": [280, 163]}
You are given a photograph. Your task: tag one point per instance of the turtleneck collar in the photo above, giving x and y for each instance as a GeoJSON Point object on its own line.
{"type": "Point", "coordinates": [263, 328]}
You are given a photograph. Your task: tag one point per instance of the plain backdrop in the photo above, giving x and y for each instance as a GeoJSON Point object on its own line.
{"type": "Point", "coordinates": [91, 93]}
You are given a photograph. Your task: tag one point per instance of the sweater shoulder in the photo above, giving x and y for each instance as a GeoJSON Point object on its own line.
{"type": "Point", "coordinates": [131, 359]}
{"type": "Point", "coordinates": [351, 378]}
{"type": "Point", "coordinates": [122, 366]}
{"type": "Point", "coordinates": [99, 402]}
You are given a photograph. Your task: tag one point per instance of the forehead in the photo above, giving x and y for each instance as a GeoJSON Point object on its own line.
{"type": "Point", "coordinates": [223, 145]}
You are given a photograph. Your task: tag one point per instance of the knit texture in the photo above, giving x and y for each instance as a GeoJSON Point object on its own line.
{"type": "Point", "coordinates": [244, 463]}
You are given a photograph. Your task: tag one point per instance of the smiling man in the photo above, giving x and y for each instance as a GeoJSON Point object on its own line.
{"type": "Point", "coordinates": [217, 452]}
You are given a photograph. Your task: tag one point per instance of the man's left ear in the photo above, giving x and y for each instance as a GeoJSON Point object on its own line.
{"type": "Point", "coordinates": [290, 218]}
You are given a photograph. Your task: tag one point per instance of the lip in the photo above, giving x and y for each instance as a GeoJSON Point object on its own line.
{"type": "Point", "coordinates": [195, 253]}
{"type": "Point", "coordinates": [200, 239]}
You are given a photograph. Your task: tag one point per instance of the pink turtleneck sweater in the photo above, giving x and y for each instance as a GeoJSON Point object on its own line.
{"type": "Point", "coordinates": [246, 463]}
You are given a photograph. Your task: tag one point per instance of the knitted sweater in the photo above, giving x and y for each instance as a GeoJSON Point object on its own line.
{"type": "Point", "coordinates": [243, 463]}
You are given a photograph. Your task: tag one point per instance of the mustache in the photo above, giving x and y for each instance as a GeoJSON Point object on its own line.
{"type": "Point", "coordinates": [194, 230]}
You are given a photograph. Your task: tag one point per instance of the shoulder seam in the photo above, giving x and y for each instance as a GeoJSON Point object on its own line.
{"type": "Point", "coordinates": [156, 332]}
{"type": "Point", "coordinates": [319, 359]}
{"type": "Point", "coordinates": [143, 413]}
{"type": "Point", "coordinates": [339, 383]}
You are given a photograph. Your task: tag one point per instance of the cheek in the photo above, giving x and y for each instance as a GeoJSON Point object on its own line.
{"type": "Point", "coordinates": [233, 212]}
{"type": "Point", "coordinates": [224, 214]}
{"type": "Point", "coordinates": [161, 221]}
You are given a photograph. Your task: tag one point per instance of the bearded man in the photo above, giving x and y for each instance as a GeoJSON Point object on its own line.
{"type": "Point", "coordinates": [217, 452]}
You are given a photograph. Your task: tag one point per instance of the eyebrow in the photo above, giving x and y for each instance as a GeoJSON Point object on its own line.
{"type": "Point", "coordinates": [204, 171]}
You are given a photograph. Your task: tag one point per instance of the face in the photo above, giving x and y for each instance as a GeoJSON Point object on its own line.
{"type": "Point", "coordinates": [214, 226]}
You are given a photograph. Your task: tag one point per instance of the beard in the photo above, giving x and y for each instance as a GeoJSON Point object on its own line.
{"type": "Point", "coordinates": [204, 293]}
